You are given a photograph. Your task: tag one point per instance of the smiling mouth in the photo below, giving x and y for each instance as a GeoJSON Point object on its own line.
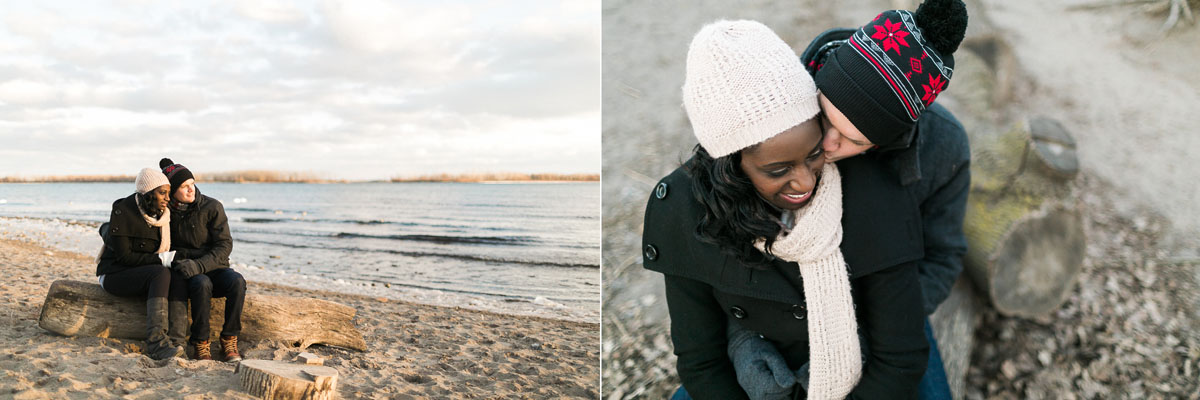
{"type": "Point", "coordinates": [797, 198]}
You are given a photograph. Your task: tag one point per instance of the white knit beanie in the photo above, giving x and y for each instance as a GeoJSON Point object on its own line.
{"type": "Point", "coordinates": [744, 85]}
{"type": "Point", "coordinates": [149, 179]}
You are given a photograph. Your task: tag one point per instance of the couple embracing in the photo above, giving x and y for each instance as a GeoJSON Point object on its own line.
{"type": "Point", "coordinates": [170, 244]}
{"type": "Point", "coordinates": [790, 276]}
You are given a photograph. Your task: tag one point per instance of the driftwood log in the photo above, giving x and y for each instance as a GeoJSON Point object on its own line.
{"type": "Point", "coordinates": [75, 308]}
{"type": "Point", "coordinates": [278, 380]}
{"type": "Point", "coordinates": [954, 328]}
{"type": "Point", "coordinates": [1023, 226]}
{"type": "Point", "coordinates": [1025, 241]}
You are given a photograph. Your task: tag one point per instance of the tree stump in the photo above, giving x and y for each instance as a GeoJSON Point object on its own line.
{"type": "Point", "coordinates": [279, 380]}
{"type": "Point", "coordinates": [74, 308]}
{"type": "Point", "coordinates": [1024, 230]}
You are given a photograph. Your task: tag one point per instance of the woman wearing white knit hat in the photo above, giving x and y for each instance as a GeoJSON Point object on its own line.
{"type": "Point", "coordinates": [747, 233]}
{"type": "Point", "coordinates": [133, 261]}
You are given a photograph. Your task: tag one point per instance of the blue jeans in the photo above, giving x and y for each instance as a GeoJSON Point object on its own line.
{"type": "Point", "coordinates": [933, 386]}
{"type": "Point", "coordinates": [681, 394]}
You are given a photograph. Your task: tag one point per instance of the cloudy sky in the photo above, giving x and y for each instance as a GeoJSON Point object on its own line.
{"type": "Point", "coordinates": [358, 89]}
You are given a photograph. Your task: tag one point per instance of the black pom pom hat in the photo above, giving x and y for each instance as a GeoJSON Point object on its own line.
{"type": "Point", "coordinates": [177, 174]}
{"type": "Point", "coordinates": [884, 74]}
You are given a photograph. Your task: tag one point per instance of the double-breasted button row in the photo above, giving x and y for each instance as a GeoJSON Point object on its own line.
{"type": "Point", "coordinates": [649, 252]}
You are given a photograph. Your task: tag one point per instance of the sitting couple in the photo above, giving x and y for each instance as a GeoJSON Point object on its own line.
{"type": "Point", "coordinates": [168, 213]}
{"type": "Point", "coordinates": [787, 276]}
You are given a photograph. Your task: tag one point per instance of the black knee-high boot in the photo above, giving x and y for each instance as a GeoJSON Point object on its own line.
{"type": "Point", "coordinates": [177, 327]}
{"type": "Point", "coordinates": [158, 346]}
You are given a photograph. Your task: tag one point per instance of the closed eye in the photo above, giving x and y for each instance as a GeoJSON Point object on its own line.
{"type": "Point", "coordinates": [817, 152]}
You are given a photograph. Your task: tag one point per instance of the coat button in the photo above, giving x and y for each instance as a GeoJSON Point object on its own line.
{"type": "Point", "coordinates": [661, 191]}
{"type": "Point", "coordinates": [118, 212]}
{"type": "Point", "coordinates": [737, 312]}
{"type": "Point", "coordinates": [799, 311]}
{"type": "Point", "coordinates": [650, 252]}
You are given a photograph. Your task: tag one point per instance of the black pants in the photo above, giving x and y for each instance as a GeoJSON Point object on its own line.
{"type": "Point", "coordinates": [221, 282]}
{"type": "Point", "coordinates": [146, 281]}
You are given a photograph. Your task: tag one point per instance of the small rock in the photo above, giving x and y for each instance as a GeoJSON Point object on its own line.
{"type": "Point", "coordinates": [311, 359]}
{"type": "Point", "coordinates": [1009, 369]}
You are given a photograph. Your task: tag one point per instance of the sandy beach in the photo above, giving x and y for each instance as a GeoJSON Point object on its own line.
{"type": "Point", "coordinates": [414, 351]}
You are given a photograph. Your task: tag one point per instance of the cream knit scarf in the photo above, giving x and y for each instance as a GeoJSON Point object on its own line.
{"type": "Point", "coordinates": [163, 224]}
{"type": "Point", "coordinates": [835, 361]}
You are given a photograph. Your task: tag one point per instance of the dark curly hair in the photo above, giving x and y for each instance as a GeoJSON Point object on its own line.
{"type": "Point", "coordinates": [734, 214]}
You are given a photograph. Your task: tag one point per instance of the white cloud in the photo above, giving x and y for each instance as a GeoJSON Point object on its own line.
{"type": "Point", "coordinates": [23, 92]}
{"type": "Point", "coordinates": [374, 88]}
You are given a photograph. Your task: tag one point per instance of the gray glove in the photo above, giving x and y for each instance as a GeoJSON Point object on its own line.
{"type": "Point", "coordinates": [187, 268]}
{"type": "Point", "coordinates": [761, 370]}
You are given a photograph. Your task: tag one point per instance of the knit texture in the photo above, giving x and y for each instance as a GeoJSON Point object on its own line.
{"type": "Point", "coordinates": [743, 86]}
{"type": "Point", "coordinates": [177, 174]}
{"type": "Point", "coordinates": [835, 361]}
{"type": "Point", "coordinates": [149, 179]}
{"type": "Point", "coordinates": [887, 72]}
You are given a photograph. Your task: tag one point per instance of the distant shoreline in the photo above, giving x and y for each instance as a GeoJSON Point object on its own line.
{"type": "Point", "coordinates": [283, 177]}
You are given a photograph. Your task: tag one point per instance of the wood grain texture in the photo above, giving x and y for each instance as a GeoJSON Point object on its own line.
{"type": "Point", "coordinates": [278, 380]}
{"type": "Point", "coordinates": [75, 308]}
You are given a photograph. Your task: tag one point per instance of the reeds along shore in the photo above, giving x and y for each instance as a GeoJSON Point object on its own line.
{"type": "Point", "coordinates": [500, 177]}
{"type": "Point", "coordinates": [413, 351]}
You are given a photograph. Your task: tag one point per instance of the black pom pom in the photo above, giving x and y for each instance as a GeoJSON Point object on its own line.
{"type": "Point", "coordinates": [166, 162]}
{"type": "Point", "coordinates": [944, 22]}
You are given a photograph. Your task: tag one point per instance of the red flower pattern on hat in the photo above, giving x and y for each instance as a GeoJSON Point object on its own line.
{"type": "Point", "coordinates": [891, 34]}
{"type": "Point", "coordinates": [935, 86]}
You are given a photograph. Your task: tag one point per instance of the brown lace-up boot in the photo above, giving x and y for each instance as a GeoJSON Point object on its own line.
{"type": "Point", "coordinates": [229, 348]}
{"type": "Point", "coordinates": [202, 351]}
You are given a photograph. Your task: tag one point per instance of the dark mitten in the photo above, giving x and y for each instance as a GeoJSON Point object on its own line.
{"type": "Point", "coordinates": [761, 370]}
{"type": "Point", "coordinates": [187, 268]}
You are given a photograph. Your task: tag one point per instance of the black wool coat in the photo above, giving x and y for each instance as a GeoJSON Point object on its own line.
{"type": "Point", "coordinates": [131, 242]}
{"type": "Point", "coordinates": [881, 243]}
{"type": "Point", "coordinates": [202, 233]}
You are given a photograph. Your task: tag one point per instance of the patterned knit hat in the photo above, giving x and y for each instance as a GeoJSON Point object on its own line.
{"type": "Point", "coordinates": [176, 173]}
{"type": "Point", "coordinates": [883, 74]}
{"type": "Point", "coordinates": [744, 85]}
{"type": "Point", "coordinates": [149, 179]}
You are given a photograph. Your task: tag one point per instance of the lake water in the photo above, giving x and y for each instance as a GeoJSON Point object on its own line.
{"type": "Point", "coordinates": [524, 248]}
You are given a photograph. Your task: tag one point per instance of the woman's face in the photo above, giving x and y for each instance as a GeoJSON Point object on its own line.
{"type": "Point", "coordinates": [842, 139]}
{"type": "Point", "coordinates": [784, 169]}
{"type": "Point", "coordinates": [186, 192]}
{"type": "Point", "coordinates": [160, 196]}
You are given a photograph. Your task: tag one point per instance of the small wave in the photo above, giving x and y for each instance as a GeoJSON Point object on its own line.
{"type": "Point", "coordinates": [512, 240]}
{"type": "Point", "coordinates": [467, 257]}
{"type": "Point", "coordinates": [262, 220]}
{"type": "Point", "coordinates": [250, 209]}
